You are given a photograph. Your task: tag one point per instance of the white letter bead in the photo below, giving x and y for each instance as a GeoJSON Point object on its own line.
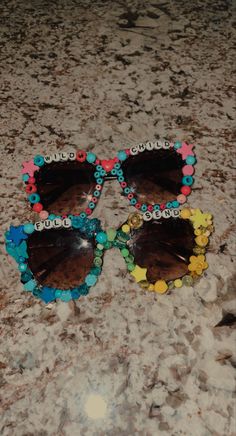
{"type": "Point", "coordinates": [158, 145]}
{"type": "Point", "coordinates": [175, 212]}
{"type": "Point", "coordinates": [66, 223]}
{"type": "Point", "coordinates": [150, 145]}
{"type": "Point", "coordinates": [48, 159]}
{"type": "Point", "coordinates": [166, 213]}
{"type": "Point", "coordinates": [156, 214]}
{"type": "Point", "coordinates": [147, 216]}
{"type": "Point", "coordinates": [56, 157]}
{"type": "Point", "coordinates": [134, 150]}
{"type": "Point", "coordinates": [48, 224]}
{"type": "Point", "coordinates": [166, 144]}
{"type": "Point", "coordinates": [38, 226]}
{"type": "Point", "coordinates": [57, 222]}
{"type": "Point", "coordinates": [141, 147]}
{"type": "Point", "coordinates": [72, 155]}
{"type": "Point", "coordinates": [64, 156]}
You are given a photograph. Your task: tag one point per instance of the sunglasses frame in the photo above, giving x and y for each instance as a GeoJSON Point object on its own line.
{"type": "Point", "coordinates": [109, 169]}
{"type": "Point", "coordinates": [16, 246]}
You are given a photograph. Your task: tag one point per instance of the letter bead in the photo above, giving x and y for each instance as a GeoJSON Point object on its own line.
{"type": "Point", "coordinates": [166, 144]}
{"type": "Point", "coordinates": [57, 222]}
{"type": "Point", "coordinates": [72, 155]}
{"type": "Point", "coordinates": [150, 145]}
{"type": "Point", "coordinates": [141, 147]}
{"type": "Point", "coordinates": [134, 150]}
{"type": "Point", "coordinates": [38, 226]}
{"type": "Point", "coordinates": [147, 216]}
{"type": "Point", "coordinates": [166, 213]}
{"type": "Point", "coordinates": [175, 213]}
{"type": "Point", "coordinates": [56, 157]}
{"type": "Point", "coordinates": [156, 214]}
{"type": "Point", "coordinates": [48, 224]}
{"type": "Point", "coordinates": [48, 159]}
{"type": "Point", "coordinates": [63, 156]}
{"type": "Point", "coordinates": [66, 222]}
{"type": "Point", "coordinates": [158, 145]}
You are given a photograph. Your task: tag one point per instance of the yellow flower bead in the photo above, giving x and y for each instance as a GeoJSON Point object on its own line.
{"type": "Point", "coordinates": [197, 264]}
{"type": "Point", "coordinates": [160, 286]}
{"type": "Point", "coordinates": [201, 240]}
{"type": "Point", "coordinates": [197, 232]}
{"type": "Point", "coordinates": [178, 283]}
{"type": "Point", "coordinates": [135, 220]}
{"type": "Point", "coordinates": [185, 213]}
{"type": "Point", "coordinates": [151, 287]}
{"type": "Point", "coordinates": [125, 228]}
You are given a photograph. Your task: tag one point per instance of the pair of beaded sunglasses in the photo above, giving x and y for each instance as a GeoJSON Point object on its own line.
{"type": "Point", "coordinates": [61, 256]}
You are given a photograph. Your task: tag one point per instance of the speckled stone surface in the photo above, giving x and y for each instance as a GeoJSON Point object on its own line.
{"type": "Point", "coordinates": [101, 75]}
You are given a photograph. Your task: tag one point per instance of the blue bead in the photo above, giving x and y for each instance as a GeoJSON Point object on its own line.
{"type": "Point", "coordinates": [96, 174]}
{"type": "Point", "coordinates": [83, 215]}
{"type": "Point", "coordinates": [28, 228]}
{"type": "Point", "coordinates": [175, 203]}
{"type": "Point", "coordinates": [95, 271]}
{"type": "Point", "coordinates": [77, 222]}
{"type": "Point", "coordinates": [30, 285]}
{"type": "Point", "coordinates": [177, 145]}
{"type": "Point", "coordinates": [120, 173]}
{"type": "Point", "coordinates": [25, 177]}
{"type": "Point", "coordinates": [190, 160]}
{"type": "Point", "coordinates": [143, 207]}
{"type": "Point", "coordinates": [127, 190]}
{"type": "Point", "coordinates": [22, 267]}
{"type": "Point", "coordinates": [91, 157]}
{"type": "Point", "coordinates": [100, 181]}
{"type": "Point", "coordinates": [96, 193]}
{"type": "Point", "coordinates": [39, 160]}
{"type": "Point", "coordinates": [117, 166]}
{"type": "Point", "coordinates": [113, 172]}
{"type": "Point", "coordinates": [65, 296]}
{"type": "Point", "coordinates": [156, 207]}
{"type": "Point", "coordinates": [122, 155]}
{"type": "Point", "coordinates": [91, 205]}
{"type": "Point", "coordinates": [34, 198]}
{"type": "Point", "coordinates": [47, 294]}
{"type": "Point", "coordinates": [52, 216]}
{"type": "Point", "coordinates": [25, 277]}
{"type": "Point", "coordinates": [169, 205]}
{"type": "Point", "coordinates": [83, 289]}
{"type": "Point", "coordinates": [133, 201]}
{"type": "Point", "coordinates": [121, 179]}
{"type": "Point", "coordinates": [187, 180]}
{"type": "Point", "coordinates": [102, 173]}
{"type": "Point", "coordinates": [101, 237]}
{"type": "Point", "coordinates": [90, 279]}
{"type": "Point", "coordinates": [75, 293]}
{"type": "Point", "coordinates": [99, 167]}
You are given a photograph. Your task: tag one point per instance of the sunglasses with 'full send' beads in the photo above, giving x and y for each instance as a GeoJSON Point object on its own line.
{"type": "Point", "coordinates": [61, 258]}
{"type": "Point", "coordinates": [154, 176]}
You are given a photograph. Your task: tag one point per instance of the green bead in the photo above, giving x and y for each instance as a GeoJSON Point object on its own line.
{"type": "Point", "coordinates": [97, 261]}
{"type": "Point", "coordinates": [121, 236]}
{"type": "Point", "coordinates": [187, 280]}
{"type": "Point", "coordinates": [111, 234]}
{"type": "Point", "coordinates": [100, 246]}
{"type": "Point", "coordinates": [124, 252]}
{"type": "Point", "coordinates": [171, 285]}
{"type": "Point", "coordinates": [129, 259]}
{"type": "Point", "coordinates": [130, 266]}
{"type": "Point", "coordinates": [119, 244]}
{"type": "Point", "coordinates": [107, 245]}
{"type": "Point", "coordinates": [98, 253]}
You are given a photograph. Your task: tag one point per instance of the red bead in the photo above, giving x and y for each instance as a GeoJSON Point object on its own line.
{"type": "Point", "coordinates": [31, 180]}
{"type": "Point", "coordinates": [97, 162]}
{"type": "Point", "coordinates": [138, 205]}
{"type": "Point", "coordinates": [37, 207]}
{"type": "Point", "coordinates": [130, 195]}
{"type": "Point", "coordinates": [30, 189]}
{"type": "Point", "coordinates": [186, 190]}
{"type": "Point", "coordinates": [162, 206]}
{"type": "Point", "coordinates": [123, 184]}
{"type": "Point", "coordinates": [94, 199]}
{"type": "Point", "coordinates": [127, 151]}
{"type": "Point", "coordinates": [150, 208]}
{"type": "Point", "coordinates": [116, 159]}
{"type": "Point", "coordinates": [88, 211]}
{"type": "Point", "coordinates": [81, 155]}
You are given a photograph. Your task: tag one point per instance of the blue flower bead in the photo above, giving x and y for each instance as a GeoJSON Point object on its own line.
{"type": "Point", "coordinates": [39, 160]}
{"type": "Point", "coordinates": [101, 237]}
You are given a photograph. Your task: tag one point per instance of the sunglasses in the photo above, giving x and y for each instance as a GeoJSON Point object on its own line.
{"type": "Point", "coordinates": [62, 257]}
{"type": "Point", "coordinates": [153, 176]}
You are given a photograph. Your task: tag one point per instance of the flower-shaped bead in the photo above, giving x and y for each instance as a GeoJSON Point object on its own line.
{"type": "Point", "coordinates": [135, 220]}
{"type": "Point", "coordinates": [197, 264]}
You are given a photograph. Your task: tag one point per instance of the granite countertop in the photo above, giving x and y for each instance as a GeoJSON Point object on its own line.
{"type": "Point", "coordinates": [102, 75]}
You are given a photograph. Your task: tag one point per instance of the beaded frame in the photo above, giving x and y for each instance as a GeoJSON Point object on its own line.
{"type": "Point", "coordinates": [112, 167]}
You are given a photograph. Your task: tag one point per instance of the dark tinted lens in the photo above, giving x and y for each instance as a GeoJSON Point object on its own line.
{"type": "Point", "coordinates": [65, 186]}
{"type": "Point", "coordinates": [60, 258]}
{"type": "Point", "coordinates": [154, 175]}
{"type": "Point", "coordinates": [164, 248]}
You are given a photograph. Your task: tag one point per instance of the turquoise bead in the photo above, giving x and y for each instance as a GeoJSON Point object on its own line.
{"type": "Point", "coordinates": [190, 160]}
{"type": "Point", "coordinates": [34, 198]}
{"type": "Point", "coordinates": [39, 160]}
{"type": "Point", "coordinates": [121, 179]}
{"type": "Point", "coordinates": [22, 267]}
{"type": "Point", "coordinates": [101, 237]}
{"type": "Point", "coordinates": [177, 145]}
{"type": "Point", "coordinates": [96, 174]}
{"type": "Point", "coordinates": [58, 293]}
{"type": "Point", "coordinates": [95, 271]}
{"type": "Point", "coordinates": [113, 172]}
{"type": "Point", "coordinates": [90, 279]}
{"type": "Point", "coordinates": [91, 205]}
{"type": "Point", "coordinates": [30, 285]}
{"type": "Point", "coordinates": [100, 181]}
{"type": "Point", "coordinates": [25, 177]}
{"type": "Point", "coordinates": [133, 201]}
{"type": "Point", "coordinates": [127, 190]}
{"type": "Point", "coordinates": [75, 293]}
{"type": "Point", "coordinates": [91, 157]}
{"type": "Point", "coordinates": [187, 180]}
{"type": "Point", "coordinates": [144, 208]}
{"type": "Point", "coordinates": [65, 296]}
{"type": "Point", "coordinates": [169, 205]}
{"type": "Point", "coordinates": [83, 289]}
{"type": "Point", "coordinates": [122, 155]}
{"type": "Point", "coordinates": [156, 207]}
{"type": "Point", "coordinates": [175, 203]}
{"type": "Point", "coordinates": [99, 167]}
{"type": "Point", "coordinates": [52, 216]}
{"type": "Point", "coordinates": [96, 193]}
{"type": "Point", "coordinates": [28, 228]}
{"type": "Point", "coordinates": [83, 215]}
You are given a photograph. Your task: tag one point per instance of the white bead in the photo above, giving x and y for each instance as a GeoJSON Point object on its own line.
{"type": "Point", "coordinates": [134, 150]}
{"type": "Point", "coordinates": [48, 224]}
{"type": "Point", "coordinates": [64, 156]}
{"type": "Point", "coordinates": [147, 216]}
{"type": "Point", "coordinates": [38, 226]}
{"type": "Point", "coordinates": [142, 147]}
{"type": "Point", "coordinates": [57, 222]}
{"type": "Point", "coordinates": [156, 214]}
{"type": "Point", "coordinates": [175, 213]}
{"type": "Point", "coordinates": [166, 213]}
{"type": "Point", "coordinates": [72, 155]}
{"type": "Point", "coordinates": [48, 159]}
{"type": "Point", "coordinates": [66, 222]}
{"type": "Point", "coordinates": [150, 145]}
{"type": "Point", "coordinates": [56, 157]}
{"type": "Point", "coordinates": [157, 145]}
{"type": "Point", "coordinates": [166, 145]}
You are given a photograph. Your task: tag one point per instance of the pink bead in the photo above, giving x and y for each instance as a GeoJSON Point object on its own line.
{"type": "Point", "coordinates": [98, 187]}
{"type": "Point", "coordinates": [150, 208]}
{"type": "Point", "coordinates": [43, 214]}
{"type": "Point", "coordinates": [130, 195]}
{"type": "Point", "coordinates": [94, 199]}
{"type": "Point", "coordinates": [116, 159]}
{"type": "Point", "coordinates": [138, 205]}
{"type": "Point", "coordinates": [123, 184]}
{"type": "Point", "coordinates": [97, 162]}
{"type": "Point", "coordinates": [187, 170]}
{"type": "Point", "coordinates": [127, 151]}
{"type": "Point", "coordinates": [88, 211]}
{"type": "Point", "coordinates": [185, 190]}
{"type": "Point", "coordinates": [162, 206]}
{"type": "Point", "coordinates": [31, 180]}
{"type": "Point", "coordinates": [171, 144]}
{"type": "Point", "coordinates": [181, 198]}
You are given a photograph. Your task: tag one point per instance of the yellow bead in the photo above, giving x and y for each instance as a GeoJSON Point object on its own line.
{"type": "Point", "coordinates": [178, 283]}
{"type": "Point", "coordinates": [201, 240]}
{"type": "Point", "coordinates": [185, 213]}
{"type": "Point", "coordinates": [125, 228]}
{"type": "Point", "coordinates": [197, 232]}
{"type": "Point", "coordinates": [151, 287]}
{"type": "Point", "coordinates": [160, 286]}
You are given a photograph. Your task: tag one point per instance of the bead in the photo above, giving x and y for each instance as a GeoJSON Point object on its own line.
{"type": "Point", "coordinates": [138, 206]}
{"type": "Point", "coordinates": [149, 146]}
{"type": "Point", "coordinates": [29, 168]}
{"type": "Point", "coordinates": [134, 150]}
{"type": "Point", "coordinates": [97, 261]}
{"type": "Point", "coordinates": [66, 222]}
{"type": "Point", "coordinates": [34, 198]}
{"type": "Point", "coordinates": [166, 213]}
{"type": "Point", "coordinates": [58, 293]}
{"type": "Point", "coordinates": [48, 159]}
{"type": "Point", "coordinates": [30, 189]}
{"type": "Point", "coordinates": [177, 145]}
{"type": "Point", "coordinates": [72, 155]}
{"type": "Point", "coordinates": [169, 205]}
{"type": "Point", "coordinates": [156, 214]}
{"type": "Point", "coordinates": [120, 173]}
{"type": "Point", "coordinates": [201, 240]}
{"type": "Point", "coordinates": [187, 180]}
{"type": "Point", "coordinates": [178, 283]}
{"type": "Point", "coordinates": [135, 220]}
{"type": "Point", "coordinates": [171, 285]}
{"type": "Point", "coordinates": [28, 228]}
{"type": "Point", "coordinates": [147, 216]}
{"type": "Point", "coordinates": [51, 216]}
{"type": "Point", "coordinates": [48, 224]}
{"type": "Point", "coordinates": [125, 228]}
{"type": "Point", "coordinates": [88, 211]}
{"type": "Point", "coordinates": [150, 208]}
{"type": "Point", "coordinates": [130, 266]}
{"type": "Point", "coordinates": [100, 246]}
{"type": "Point", "coordinates": [141, 147]}
{"type": "Point", "coordinates": [98, 187]}
{"type": "Point", "coordinates": [75, 293]}
{"type": "Point", "coordinates": [166, 145]}
{"type": "Point", "coordinates": [113, 172]}
{"type": "Point", "coordinates": [64, 156]}
{"type": "Point", "coordinates": [133, 201]}
{"type": "Point", "coordinates": [186, 150]}
{"type": "Point", "coordinates": [98, 253]}
{"type": "Point", "coordinates": [91, 205]}
{"type": "Point", "coordinates": [39, 226]}
{"type": "Point", "coordinates": [111, 234]}
{"type": "Point", "coordinates": [31, 180]}
{"type": "Point", "coordinates": [144, 284]}
{"type": "Point", "coordinates": [129, 258]}
{"type": "Point", "coordinates": [125, 252]}
{"type": "Point", "coordinates": [43, 214]}
{"type": "Point", "coordinates": [91, 157]}
{"type": "Point", "coordinates": [187, 170]}
{"type": "Point", "coordinates": [127, 190]}
{"type": "Point", "coordinates": [151, 287]}
{"type": "Point", "coordinates": [122, 155]}
{"type": "Point", "coordinates": [102, 173]}
{"type": "Point", "coordinates": [30, 285]}
{"type": "Point", "coordinates": [81, 156]}
{"type": "Point", "coordinates": [187, 280]}
{"type": "Point", "coordinates": [83, 289]}
{"type": "Point", "coordinates": [190, 160]}
{"type": "Point", "coordinates": [37, 207]}
{"type": "Point", "coordinates": [174, 213]}
{"type": "Point", "coordinates": [90, 279]}
{"type": "Point", "coordinates": [47, 294]}
{"type": "Point", "coordinates": [123, 184]}
{"type": "Point", "coordinates": [25, 177]}
{"type": "Point", "coordinates": [65, 296]}
{"type": "Point", "coordinates": [107, 165]}
{"type": "Point", "coordinates": [95, 271]}
{"type": "Point", "coordinates": [22, 267]}
{"type": "Point", "coordinates": [56, 157]}
{"type": "Point", "coordinates": [181, 198]}
{"type": "Point", "coordinates": [175, 204]}
{"type": "Point", "coordinates": [143, 207]}
{"type": "Point", "coordinates": [185, 190]}
{"type": "Point", "coordinates": [160, 286]}
{"type": "Point", "coordinates": [101, 237]}
{"type": "Point", "coordinates": [39, 160]}
{"type": "Point", "coordinates": [130, 196]}
{"type": "Point", "coordinates": [156, 207]}
{"type": "Point", "coordinates": [185, 213]}
{"type": "Point", "coordinates": [121, 179]}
